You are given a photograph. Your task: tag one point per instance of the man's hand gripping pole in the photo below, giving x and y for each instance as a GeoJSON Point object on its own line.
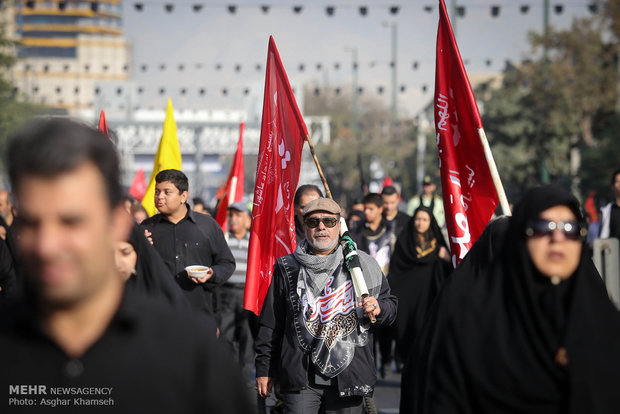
{"type": "Point", "coordinates": [352, 261]}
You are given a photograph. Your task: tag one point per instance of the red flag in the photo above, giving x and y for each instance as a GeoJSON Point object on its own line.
{"type": "Point", "coordinates": [138, 185]}
{"type": "Point", "coordinates": [469, 194]}
{"type": "Point", "coordinates": [103, 125]}
{"type": "Point", "coordinates": [282, 136]}
{"type": "Point", "coordinates": [590, 206]}
{"type": "Point", "coordinates": [387, 181]}
{"type": "Point", "coordinates": [233, 190]}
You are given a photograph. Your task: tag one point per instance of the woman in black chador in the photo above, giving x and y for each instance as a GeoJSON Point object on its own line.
{"type": "Point", "coordinates": [144, 270]}
{"type": "Point", "coordinates": [533, 331]}
{"type": "Point", "coordinates": [418, 267]}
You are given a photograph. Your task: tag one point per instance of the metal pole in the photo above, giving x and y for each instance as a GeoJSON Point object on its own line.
{"type": "Point", "coordinates": [607, 261]}
{"type": "Point", "coordinates": [394, 74]}
{"type": "Point", "coordinates": [546, 16]}
{"type": "Point", "coordinates": [454, 19]}
{"type": "Point", "coordinates": [545, 27]}
{"type": "Point", "coordinates": [198, 160]}
{"type": "Point", "coordinates": [544, 172]}
{"type": "Point", "coordinates": [421, 150]}
{"type": "Point", "coordinates": [354, 93]}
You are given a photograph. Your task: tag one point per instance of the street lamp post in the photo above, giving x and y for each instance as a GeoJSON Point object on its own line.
{"type": "Point", "coordinates": [394, 64]}
{"type": "Point", "coordinates": [455, 18]}
{"type": "Point", "coordinates": [354, 93]}
{"type": "Point", "coordinates": [544, 172]}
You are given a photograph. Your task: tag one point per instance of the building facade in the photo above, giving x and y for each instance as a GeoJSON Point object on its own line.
{"type": "Point", "coordinates": [66, 49]}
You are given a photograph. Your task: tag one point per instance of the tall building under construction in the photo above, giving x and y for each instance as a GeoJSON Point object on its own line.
{"type": "Point", "coordinates": [67, 49]}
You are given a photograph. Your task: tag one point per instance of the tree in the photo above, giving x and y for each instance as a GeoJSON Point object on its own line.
{"type": "Point", "coordinates": [543, 121]}
{"type": "Point", "coordinates": [393, 146]}
{"type": "Point", "coordinates": [13, 112]}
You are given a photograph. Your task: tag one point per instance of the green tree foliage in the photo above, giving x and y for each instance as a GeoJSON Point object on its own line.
{"type": "Point", "coordinates": [601, 159]}
{"type": "Point", "coordinates": [392, 145]}
{"type": "Point", "coordinates": [547, 118]}
{"type": "Point", "coordinates": [13, 112]}
{"type": "Point", "coordinates": [553, 118]}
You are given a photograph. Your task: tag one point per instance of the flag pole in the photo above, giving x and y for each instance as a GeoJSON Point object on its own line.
{"type": "Point", "coordinates": [501, 194]}
{"type": "Point", "coordinates": [318, 167]}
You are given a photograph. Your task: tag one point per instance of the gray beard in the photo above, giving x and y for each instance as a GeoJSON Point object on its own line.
{"type": "Point", "coordinates": [323, 250]}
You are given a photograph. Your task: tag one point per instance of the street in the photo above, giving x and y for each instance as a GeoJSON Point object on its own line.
{"type": "Point", "coordinates": [387, 393]}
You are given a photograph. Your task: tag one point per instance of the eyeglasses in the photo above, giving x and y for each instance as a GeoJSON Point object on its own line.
{"type": "Point", "coordinates": [572, 229]}
{"type": "Point", "coordinates": [313, 222]}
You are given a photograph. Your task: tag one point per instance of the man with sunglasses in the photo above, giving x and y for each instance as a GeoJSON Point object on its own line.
{"type": "Point", "coordinates": [314, 337]}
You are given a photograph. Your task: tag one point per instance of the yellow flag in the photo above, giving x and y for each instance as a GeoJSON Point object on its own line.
{"type": "Point", "coordinates": [168, 157]}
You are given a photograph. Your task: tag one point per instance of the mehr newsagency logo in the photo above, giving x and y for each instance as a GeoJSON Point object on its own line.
{"type": "Point", "coordinates": [44, 396]}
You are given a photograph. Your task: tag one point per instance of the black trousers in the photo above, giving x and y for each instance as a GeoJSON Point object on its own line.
{"type": "Point", "coordinates": [311, 399]}
{"type": "Point", "coordinates": [235, 328]}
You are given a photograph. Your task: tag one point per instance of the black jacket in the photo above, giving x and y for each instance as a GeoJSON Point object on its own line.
{"type": "Point", "coordinates": [152, 358]}
{"type": "Point", "coordinates": [279, 355]}
{"type": "Point", "coordinates": [8, 279]}
{"type": "Point", "coordinates": [195, 240]}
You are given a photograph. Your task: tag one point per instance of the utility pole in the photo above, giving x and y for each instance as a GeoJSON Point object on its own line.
{"type": "Point", "coordinates": [354, 93]}
{"type": "Point", "coordinates": [198, 159]}
{"type": "Point", "coordinates": [423, 126]}
{"type": "Point", "coordinates": [544, 171]}
{"type": "Point", "coordinates": [394, 42]}
{"type": "Point", "coordinates": [394, 74]}
{"type": "Point", "coordinates": [545, 27]}
{"type": "Point", "coordinates": [455, 14]}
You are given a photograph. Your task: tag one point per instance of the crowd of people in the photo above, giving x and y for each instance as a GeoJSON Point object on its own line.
{"type": "Point", "coordinates": [94, 293]}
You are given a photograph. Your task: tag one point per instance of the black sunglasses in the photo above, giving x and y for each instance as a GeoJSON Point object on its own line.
{"type": "Point", "coordinates": [313, 222]}
{"type": "Point", "coordinates": [538, 228]}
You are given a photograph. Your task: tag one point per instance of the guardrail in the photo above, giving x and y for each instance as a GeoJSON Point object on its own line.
{"type": "Point", "coordinates": [606, 258]}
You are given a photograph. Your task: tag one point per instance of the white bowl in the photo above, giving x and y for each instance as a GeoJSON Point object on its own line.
{"type": "Point", "coordinates": [197, 271]}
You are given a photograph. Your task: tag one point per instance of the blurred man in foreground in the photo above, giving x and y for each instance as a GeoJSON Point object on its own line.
{"type": "Point", "coordinates": [77, 329]}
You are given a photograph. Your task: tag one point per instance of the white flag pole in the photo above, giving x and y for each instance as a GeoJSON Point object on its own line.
{"type": "Point", "coordinates": [503, 200]}
{"type": "Point", "coordinates": [233, 190]}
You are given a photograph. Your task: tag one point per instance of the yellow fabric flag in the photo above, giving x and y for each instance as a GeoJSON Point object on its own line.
{"type": "Point", "coordinates": [168, 157]}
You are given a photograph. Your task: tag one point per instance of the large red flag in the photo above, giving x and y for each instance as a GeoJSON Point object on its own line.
{"type": "Point", "coordinates": [233, 191]}
{"type": "Point", "coordinates": [469, 194]}
{"type": "Point", "coordinates": [103, 125]}
{"type": "Point", "coordinates": [282, 136]}
{"type": "Point", "coordinates": [138, 185]}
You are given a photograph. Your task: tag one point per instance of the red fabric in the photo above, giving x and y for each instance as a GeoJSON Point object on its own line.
{"type": "Point", "coordinates": [469, 195]}
{"type": "Point", "coordinates": [387, 181]}
{"type": "Point", "coordinates": [233, 190]}
{"type": "Point", "coordinates": [590, 207]}
{"type": "Point", "coordinates": [138, 185]}
{"type": "Point", "coordinates": [103, 125]}
{"type": "Point", "coordinates": [283, 133]}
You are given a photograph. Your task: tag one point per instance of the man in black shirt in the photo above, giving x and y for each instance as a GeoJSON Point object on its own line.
{"type": "Point", "coordinates": [610, 213]}
{"type": "Point", "coordinates": [77, 339]}
{"type": "Point", "coordinates": [393, 216]}
{"type": "Point", "coordinates": [374, 236]}
{"type": "Point", "coordinates": [184, 237]}
{"type": "Point", "coordinates": [8, 280]}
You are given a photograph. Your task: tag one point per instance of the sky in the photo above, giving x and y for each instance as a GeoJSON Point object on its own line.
{"type": "Point", "coordinates": [199, 41]}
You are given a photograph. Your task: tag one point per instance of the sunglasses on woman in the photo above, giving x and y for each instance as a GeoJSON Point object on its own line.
{"type": "Point", "coordinates": [541, 227]}
{"type": "Point", "coordinates": [313, 222]}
